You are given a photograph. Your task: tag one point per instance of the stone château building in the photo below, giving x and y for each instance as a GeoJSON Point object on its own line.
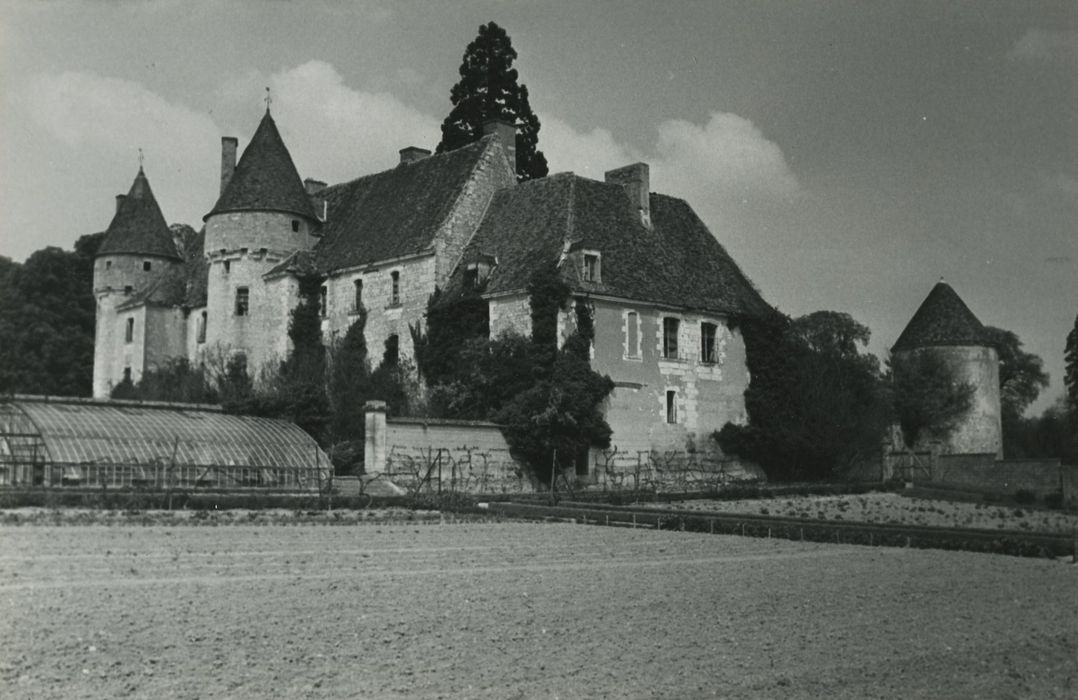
{"type": "Point", "coordinates": [665, 292]}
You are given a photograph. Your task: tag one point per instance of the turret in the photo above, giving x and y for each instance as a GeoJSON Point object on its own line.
{"type": "Point", "coordinates": [138, 247]}
{"type": "Point", "coordinates": [263, 216]}
{"type": "Point", "coordinates": [944, 326]}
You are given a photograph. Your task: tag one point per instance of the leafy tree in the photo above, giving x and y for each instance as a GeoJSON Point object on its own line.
{"type": "Point", "coordinates": [817, 404]}
{"type": "Point", "coordinates": [1070, 357]}
{"type": "Point", "coordinates": [488, 89]}
{"type": "Point", "coordinates": [175, 381]}
{"type": "Point", "coordinates": [929, 399]}
{"type": "Point", "coordinates": [1021, 374]}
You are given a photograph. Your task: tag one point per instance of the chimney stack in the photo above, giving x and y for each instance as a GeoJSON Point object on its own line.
{"type": "Point", "coordinates": [636, 182]}
{"type": "Point", "coordinates": [507, 135]}
{"type": "Point", "coordinates": [411, 154]}
{"type": "Point", "coordinates": [120, 201]}
{"type": "Point", "coordinates": [228, 160]}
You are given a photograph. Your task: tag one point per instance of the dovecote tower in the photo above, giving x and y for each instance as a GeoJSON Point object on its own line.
{"type": "Point", "coordinates": [263, 216]}
{"type": "Point", "coordinates": [944, 326]}
{"type": "Point", "coordinates": [138, 248]}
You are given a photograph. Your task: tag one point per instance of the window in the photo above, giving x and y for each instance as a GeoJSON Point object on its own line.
{"type": "Point", "coordinates": [395, 295]}
{"type": "Point", "coordinates": [632, 334]}
{"type": "Point", "coordinates": [243, 300]}
{"type": "Point", "coordinates": [129, 331]}
{"type": "Point", "coordinates": [108, 264]}
{"type": "Point", "coordinates": [471, 278]}
{"type": "Point", "coordinates": [707, 342]}
{"type": "Point", "coordinates": [323, 295]}
{"type": "Point", "coordinates": [357, 301]}
{"type": "Point", "coordinates": [228, 266]}
{"type": "Point", "coordinates": [146, 265]}
{"type": "Point", "coordinates": [670, 330]}
{"type": "Point", "coordinates": [671, 407]}
{"type": "Point", "coordinates": [128, 289]}
{"type": "Point", "coordinates": [202, 328]}
{"type": "Point", "coordinates": [591, 267]}
{"type": "Point", "coordinates": [295, 225]}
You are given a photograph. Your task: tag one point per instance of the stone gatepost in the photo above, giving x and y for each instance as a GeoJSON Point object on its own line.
{"type": "Point", "coordinates": [374, 453]}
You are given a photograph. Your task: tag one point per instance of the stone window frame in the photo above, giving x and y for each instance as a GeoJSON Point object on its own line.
{"type": "Point", "coordinates": [243, 302]}
{"type": "Point", "coordinates": [357, 295]}
{"type": "Point", "coordinates": [591, 266]}
{"type": "Point", "coordinates": [671, 407]}
{"type": "Point", "coordinates": [635, 354]}
{"type": "Point", "coordinates": [709, 341]}
{"type": "Point", "coordinates": [669, 350]}
{"type": "Point", "coordinates": [129, 330]}
{"type": "Point", "coordinates": [394, 288]}
{"type": "Point", "coordinates": [200, 328]}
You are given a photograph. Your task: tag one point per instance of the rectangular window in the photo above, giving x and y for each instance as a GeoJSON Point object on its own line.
{"type": "Point", "coordinates": [129, 331]}
{"type": "Point", "coordinates": [591, 267]}
{"type": "Point", "coordinates": [357, 302]}
{"type": "Point", "coordinates": [671, 407]}
{"type": "Point", "coordinates": [146, 265]}
{"type": "Point", "coordinates": [228, 266]}
{"type": "Point", "coordinates": [670, 331]}
{"type": "Point", "coordinates": [632, 334]}
{"type": "Point", "coordinates": [707, 342]}
{"type": "Point", "coordinates": [108, 264]}
{"type": "Point", "coordinates": [243, 300]}
{"type": "Point", "coordinates": [395, 295]}
{"type": "Point", "coordinates": [202, 328]}
{"type": "Point", "coordinates": [128, 290]}
{"type": "Point", "coordinates": [323, 295]}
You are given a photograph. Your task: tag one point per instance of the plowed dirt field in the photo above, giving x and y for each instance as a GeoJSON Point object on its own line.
{"type": "Point", "coordinates": [514, 610]}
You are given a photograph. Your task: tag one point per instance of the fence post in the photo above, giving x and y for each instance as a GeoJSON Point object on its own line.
{"type": "Point", "coordinates": [374, 454]}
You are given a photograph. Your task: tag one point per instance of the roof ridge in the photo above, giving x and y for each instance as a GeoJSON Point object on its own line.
{"type": "Point", "coordinates": [420, 162]}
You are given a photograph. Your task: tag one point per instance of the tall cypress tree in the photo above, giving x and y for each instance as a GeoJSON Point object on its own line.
{"type": "Point", "coordinates": [488, 89]}
{"type": "Point", "coordinates": [1070, 357]}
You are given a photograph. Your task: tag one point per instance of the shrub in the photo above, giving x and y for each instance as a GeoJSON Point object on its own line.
{"type": "Point", "coordinates": [1025, 496]}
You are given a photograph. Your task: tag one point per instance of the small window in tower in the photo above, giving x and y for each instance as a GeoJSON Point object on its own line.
{"type": "Point", "coordinates": [146, 265]}
{"type": "Point", "coordinates": [632, 335]}
{"type": "Point", "coordinates": [670, 331]}
{"type": "Point", "coordinates": [129, 331]}
{"type": "Point", "coordinates": [128, 290]}
{"type": "Point", "coordinates": [243, 299]}
{"type": "Point", "coordinates": [202, 328]}
{"type": "Point", "coordinates": [323, 294]}
{"type": "Point", "coordinates": [591, 267]}
{"type": "Point", "coordinates": [295, 225]}
{"type": "Point", "coordinates": [108, 264]}
{"type": "Point", "coordinates": [228, 266]}
{"type": "Point", "coordinates": [357, 301]}
{"type": "Point", "coordinates": [707, 342]}
{"type": "Point", "coordinates": [395, 294]}
{"type": "Point", "coordinates": [671, 407]}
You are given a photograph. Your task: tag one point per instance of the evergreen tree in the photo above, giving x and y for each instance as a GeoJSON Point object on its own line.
{"type": "Point", "coordinates": [1070, 357]}
{"type": "Point", "coordinates": [488, 89]}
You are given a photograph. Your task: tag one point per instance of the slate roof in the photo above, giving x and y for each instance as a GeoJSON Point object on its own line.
{"type": "Point", "coordinates": [265, 178]}
{"type": "Point", "coordinates": [676, 262]}
{"type": "Point", "coordinates": [396, 212]}
{"type": "Point", "coordinates": [943, 319]}
{"type": "Point", "coordinates": [300, 263]}
{"type": "Point", "coordinates": [181, 285]}
{"type": "Point", "coordinates": [138, 227]}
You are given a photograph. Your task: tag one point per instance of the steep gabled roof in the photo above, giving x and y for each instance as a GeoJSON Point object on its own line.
{"type": "Point", "coordinates": [942, 319]}
{"type": "Point", "coordinates": [139, 228]}
{"type": "Point", "coordinates": [265, 179]}
{"type": "Point", "coordinates": [396, 212]}
{"type": "Point", "coordinates": [675, 262]}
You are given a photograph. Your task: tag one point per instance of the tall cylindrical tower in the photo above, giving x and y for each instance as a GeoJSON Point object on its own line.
{"type": "Point", "coordinates": [262, 218]}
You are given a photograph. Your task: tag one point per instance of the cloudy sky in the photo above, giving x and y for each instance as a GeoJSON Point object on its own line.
{"type": "Point", "coordinates": [848, 154]}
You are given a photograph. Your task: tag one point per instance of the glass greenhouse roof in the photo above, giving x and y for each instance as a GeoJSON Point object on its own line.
{"type": "Point", "coordinates": [81, 431]}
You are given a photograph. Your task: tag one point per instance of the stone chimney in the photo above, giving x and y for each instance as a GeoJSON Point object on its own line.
{"type": "Point", "coordinates": [411, 154]}
{"type": "Point", "coordinates": [120, 201]}
{"type": "Point", "coordinates": [228, 160]}
{"type": "Point", "coordinates": [636, 182]}
{"type": "Point", "coordinates": [313, 186]}
{"type": "Point", "coordinates": [507, 135]}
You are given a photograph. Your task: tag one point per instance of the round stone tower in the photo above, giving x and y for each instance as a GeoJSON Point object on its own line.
{"type": "Point", "coordinates": [263, 217]}
{"type": "Point", "coordinates": [137, 249]}
{"type": "Point", "coordinates": [944, 326]}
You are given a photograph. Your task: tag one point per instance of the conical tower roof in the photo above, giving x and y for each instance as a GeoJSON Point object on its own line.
{"type": "Point", "coordinates": [265, 178]}
{"type": "Point", "coordinates": [942, 319]}
{"type": "Point", "coordinates": [139, 227]}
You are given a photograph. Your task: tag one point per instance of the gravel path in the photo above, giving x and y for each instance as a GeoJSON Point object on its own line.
{"type": "Point", "coordinates": [517, 610]}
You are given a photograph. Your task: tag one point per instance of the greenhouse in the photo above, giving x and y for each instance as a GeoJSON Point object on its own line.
{"type": "Point", "coordinates": [103, 444]}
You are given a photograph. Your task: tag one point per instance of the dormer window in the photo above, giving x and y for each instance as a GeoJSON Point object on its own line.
{"type": "Point", "coordinates": [592, 267]}
{"type": "Point", "coordinates": [477, 273]}
{"type": "Point", "coordinates": [146, 265]}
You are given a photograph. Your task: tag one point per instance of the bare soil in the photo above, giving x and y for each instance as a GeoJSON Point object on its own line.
{"type": "Point", "coordinates": [893, 508]}
{"type": "Point", "coordinates": [516, 610]}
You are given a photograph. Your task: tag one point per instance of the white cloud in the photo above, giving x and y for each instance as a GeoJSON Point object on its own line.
{"type": "Point", "coordinates": [1047, 46]}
